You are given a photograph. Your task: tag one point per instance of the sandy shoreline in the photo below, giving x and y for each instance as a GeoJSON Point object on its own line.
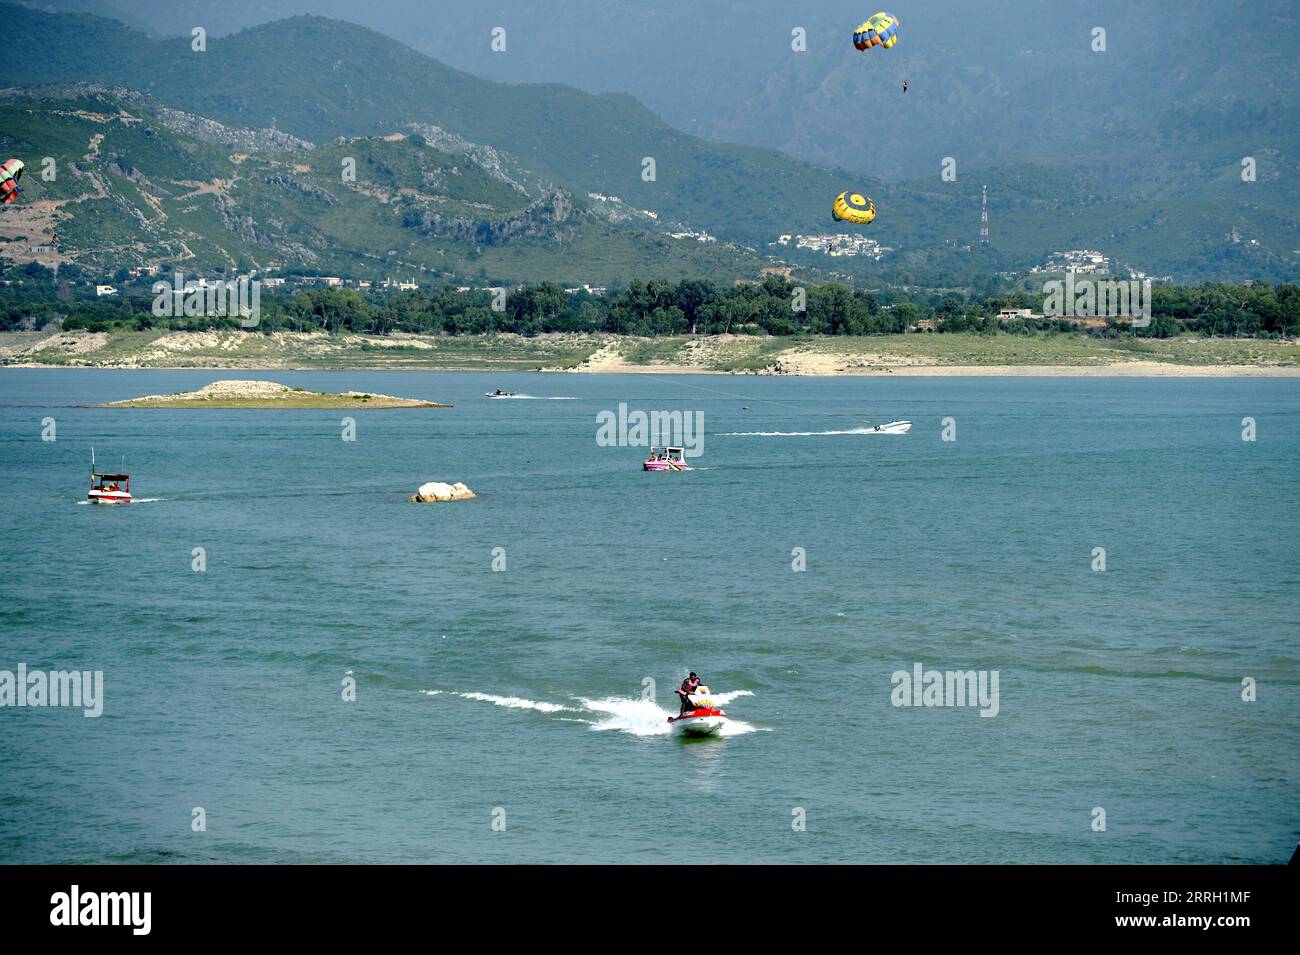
{"type": "Point", "coordinates": [1117, 370]}
{"type": "Point", "coordinates": [1136, 369]}
{"type": "Point", "coordinates": [929, 356]}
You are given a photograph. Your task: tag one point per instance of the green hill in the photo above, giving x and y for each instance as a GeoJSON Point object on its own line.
{"type": "Point", "coordinates": [320, 79]}
{"type": "Point", "coordinates": [141, 184]}
{"type": "Point", "coordinates": [316, 81]}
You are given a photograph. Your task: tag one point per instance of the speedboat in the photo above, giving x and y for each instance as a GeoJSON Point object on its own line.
{"type": "Point", "coordinates": [498, 394]}
{"type": "Point", "coordinates": [108, 488]}
{"type": "Point", "coordinates": [705, 720]}
{"type": "Point", "coordinates": [666, 459]}
{"type": "Point", "coordinates": [894, 427]}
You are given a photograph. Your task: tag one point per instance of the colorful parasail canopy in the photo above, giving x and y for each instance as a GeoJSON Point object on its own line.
{"type": "Point", "coordinates": [852, 207]}
{"type": "Point", "coordinates": [10, 172]}
{"type": "Point", "coordinates": [878, 30]}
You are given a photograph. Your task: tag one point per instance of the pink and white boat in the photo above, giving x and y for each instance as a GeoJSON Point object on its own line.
{"type": "Point", "coordinates": [108, 488]}
{"type": "Point", "coordinates": [666, 459]}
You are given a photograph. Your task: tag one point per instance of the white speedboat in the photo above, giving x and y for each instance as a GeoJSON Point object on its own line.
{"type": "Point", "coordinates": [894, 427]}
{"type": "Point", "coordinates": [498, 394]}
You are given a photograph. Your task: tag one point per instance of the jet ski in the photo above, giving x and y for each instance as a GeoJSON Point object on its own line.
{"type": "Point", "coordinates": [704, 720]}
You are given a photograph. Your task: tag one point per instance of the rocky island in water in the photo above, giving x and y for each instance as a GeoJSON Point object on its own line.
{"type": "Point", "coordinates": [269, 394]}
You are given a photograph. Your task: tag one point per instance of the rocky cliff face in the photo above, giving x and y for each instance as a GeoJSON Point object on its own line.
{"type": "Point", "coordinates": [551, 216]}
{"type": "Point", "coordinates": [284, 181]}
{"type": "Point", "coordinates": [114, 98]}
{"type": "Point", "coordinates": [492, 162]}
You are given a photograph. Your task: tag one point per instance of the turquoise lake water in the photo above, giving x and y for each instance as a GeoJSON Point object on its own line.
{"type": "Point", "coordinates": [517, 694]}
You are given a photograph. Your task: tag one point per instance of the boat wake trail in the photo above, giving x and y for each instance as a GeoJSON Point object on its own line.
{"type": "Point", "coordinates": [509, 702]}
{"type": "Point", "coordinates": [630, 715]}
{"type": "Point", "coordinates": [138, 500]}
{"type": "Point", "coordinates": [647, 718]}
{"type": "Point", "coordinates": [536, 398]}
{"type": "Point", "coordinates": [791, 434]}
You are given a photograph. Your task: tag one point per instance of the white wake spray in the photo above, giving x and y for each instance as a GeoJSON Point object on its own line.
{"type": "Point", "coordinates": [630, 715]}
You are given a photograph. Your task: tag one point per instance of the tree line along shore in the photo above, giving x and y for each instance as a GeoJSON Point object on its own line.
{"type": "Point", "coordinates": [34, 299]}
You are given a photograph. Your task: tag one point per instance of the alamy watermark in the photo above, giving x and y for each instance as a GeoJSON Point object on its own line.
{"type": "Point", "coordinates": [651, 429]}
{"type": "Point", "coordinates": [923, 687]}
{"type": "Point", "coordinates": [83, 688]}
{"type": "Point", "coordinates": [128, 909]}
{"type": "Point", "coordinates": [1089, 298]}
{"type": "Point", "coordinates": [209, 299]}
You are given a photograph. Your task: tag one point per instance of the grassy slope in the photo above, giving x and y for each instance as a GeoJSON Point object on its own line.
{"type": "Point", "coordinates": [320, 78]}
{"type": "Point", "coordinates": [294, 208]}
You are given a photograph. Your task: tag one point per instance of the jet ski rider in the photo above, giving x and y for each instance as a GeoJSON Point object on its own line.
{"type": "Point", "coordinates": [689, 686]}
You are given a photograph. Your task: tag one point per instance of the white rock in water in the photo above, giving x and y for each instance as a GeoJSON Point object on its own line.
{"type": "Point", "coordinates": [434, 491]}
{"type": "Point", "coordinates": [439, 491]}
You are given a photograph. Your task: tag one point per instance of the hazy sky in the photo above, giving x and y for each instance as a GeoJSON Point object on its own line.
{"type": "Point", "coordinates": [1007, 76]}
